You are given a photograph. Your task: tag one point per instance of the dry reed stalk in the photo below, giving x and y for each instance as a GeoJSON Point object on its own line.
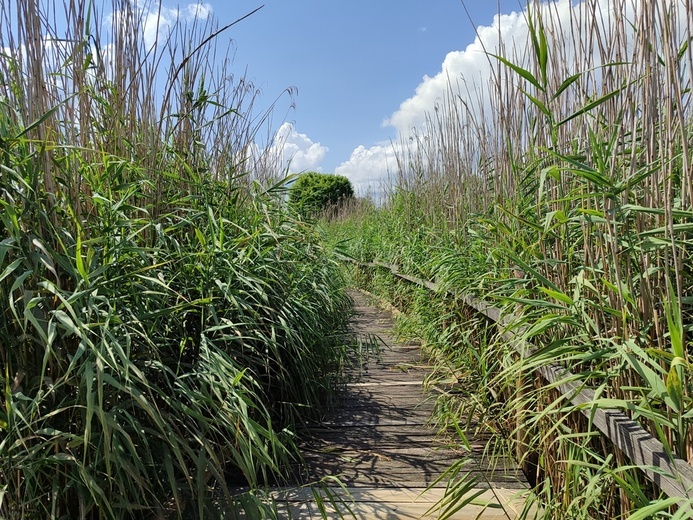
{"type": "Point", "coordinates": [595, 183]}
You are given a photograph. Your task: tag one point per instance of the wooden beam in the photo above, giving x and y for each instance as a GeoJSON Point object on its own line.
{"type": "Point", "coordinates": [672, 474]}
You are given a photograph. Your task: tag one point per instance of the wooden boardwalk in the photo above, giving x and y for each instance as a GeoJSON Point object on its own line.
{"type": "Point", "coordinates": [379, 445]}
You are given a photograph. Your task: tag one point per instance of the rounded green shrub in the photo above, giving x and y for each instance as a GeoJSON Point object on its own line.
{"type": "Point", "coordinates": [314, 192]}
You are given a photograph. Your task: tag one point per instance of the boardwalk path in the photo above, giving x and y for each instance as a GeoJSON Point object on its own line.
{"type": "Point", "coordinates": [378, 442]}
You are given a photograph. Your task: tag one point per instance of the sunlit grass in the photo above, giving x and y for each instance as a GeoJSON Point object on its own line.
{"type": "Point", "coordinates": [167, 325]}
{"type": "Point", "coordinates": [568, 204]}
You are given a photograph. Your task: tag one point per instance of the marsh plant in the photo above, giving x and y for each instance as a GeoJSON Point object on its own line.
{"type": "Point", "coordinates": [166, 324]}
{"type": "Point", "coordinates": [564, 196]}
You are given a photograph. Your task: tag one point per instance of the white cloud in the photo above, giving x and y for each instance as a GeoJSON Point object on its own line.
{"type": "Point", "coordinates": [465, 71]}
{"type": "Point", "coordinates": [158, 22]}
{"type": "Point", "coordinates": [465, 75]}
{"type": "Point", "coordinates": [368, 168]}
{"type": "Point", "coordinates": [297, 151]}
{"type": "Point", "coordinates": [197, 11]}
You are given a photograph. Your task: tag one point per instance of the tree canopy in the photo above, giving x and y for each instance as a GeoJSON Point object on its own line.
{"type": "Point", "coordinates": [313, 192]}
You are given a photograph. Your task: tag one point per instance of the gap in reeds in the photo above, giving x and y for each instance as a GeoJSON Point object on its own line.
{"type": "Point", "coordinates": [167, 324]}
{"type": "Point", "coordinates": [565, 199]}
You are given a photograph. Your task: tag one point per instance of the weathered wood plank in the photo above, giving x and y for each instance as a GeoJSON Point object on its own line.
{"type": "Point", "coordinates": [673, 475]}
{"type": "Point", "coordinates": [400, 503]}
{"type": "Point", "coordinates": [378, 434]}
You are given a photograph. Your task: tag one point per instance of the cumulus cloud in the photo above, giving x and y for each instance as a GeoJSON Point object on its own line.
{"type": "Point", "coordinates": [368, 168]}
{"type": "Point", "coordinates": [466, 71]}
{"type": "Point", "coordinates": [465, 75]}
{"type": "Point", "coordinates": [158, 22]}
{"type": "Point", "coordinates": [296, 151]}
{"type": "Point", "coordinates": [197, 11]}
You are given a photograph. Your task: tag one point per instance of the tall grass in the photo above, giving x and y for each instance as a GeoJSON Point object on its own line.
{"type": "Point", "coordinates": [166, 324]}
{"type": "Point", "coordinates": [568, 201]}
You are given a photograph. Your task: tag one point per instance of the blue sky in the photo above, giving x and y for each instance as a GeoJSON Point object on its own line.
{"type": "Point", "coordinates": [365, 72]}
{"type": "Point", "coordinates": [352, 62]}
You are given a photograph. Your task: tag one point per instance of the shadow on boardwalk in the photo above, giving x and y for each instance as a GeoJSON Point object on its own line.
{"type": "Point", "coordinates": [377, 441]}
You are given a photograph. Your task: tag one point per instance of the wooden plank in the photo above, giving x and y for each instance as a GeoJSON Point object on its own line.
{"type": "Point", "coordinates": [353, 409]}
{"type": "Point", "coordinates": [369, 476]}
{"type": "Point", "coordinates": [673, 475]}
{"type": "Point", "coordinates": [397, 458]}
{"type": "Point", "coordinates": [402, 503]}
{"type": "Point", "coordinates": [413, 382]}
{"type": "Point", "coordinates": [631, 438]}
{"type": "Point", "coordinates": [378, 436]}
{"type": "Point", "coordinates": [394, 434]}
{"type": "Point", "coordinates": [376, 422]}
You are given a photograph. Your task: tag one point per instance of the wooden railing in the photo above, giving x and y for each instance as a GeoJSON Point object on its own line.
{"type": "Point", "coordinates": [673, 475]}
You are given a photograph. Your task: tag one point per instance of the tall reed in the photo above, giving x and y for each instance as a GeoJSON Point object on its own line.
{"type": "Point", "coordinates": [571, 186]}
{"type": "Point", "coordinates": [166, 324]}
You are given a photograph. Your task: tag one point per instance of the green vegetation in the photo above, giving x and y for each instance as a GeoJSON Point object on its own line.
{"type": "Point", "coordinates": [568, 204]}
{"type": "Point", "coordinates": [313, 193]}
{"type": "Point", "coordinates": [166, 324]}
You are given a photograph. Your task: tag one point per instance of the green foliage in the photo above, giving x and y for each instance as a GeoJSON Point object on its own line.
{"type": "Point", "coordinates": [315, 192]}
{"type": "Point", "coordinates": [164, 331]}
{"type": "Point", "coordinates": [146, 366]}
{"type": "Point", "coordinates": [578, 227]}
